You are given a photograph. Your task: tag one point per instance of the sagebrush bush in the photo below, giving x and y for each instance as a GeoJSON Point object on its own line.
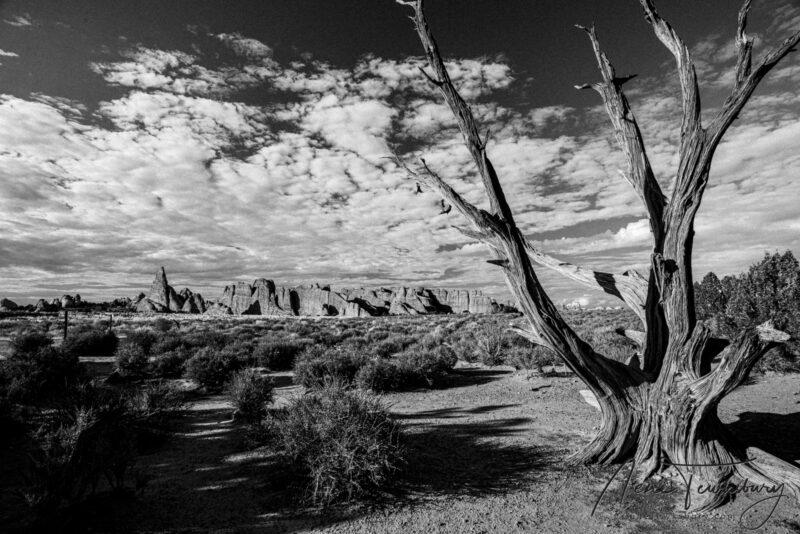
{"type": "Point", "coordinates": [531, 357]}
{"type": "Point", "coordinates": [319, 365]}
{"type": "Point", "coordinates": [91, 342]}
{"type": "Point", "coordinates": [162, 324]}
{"type": "Point", "coordinates": [778, 360]}
{"type": "Point", "coordinates": [464, 348]}
{"type": "Point", "coordinates": [251, 393]}
{"type": "Point", "coordinates": [212, 368]}
{"type": "Point", "coordinates": [207, 338]}
{"type": "Point", "coordinates": [29, 342]}
{"type": "Point", "coordinates": [343, 444]}
{"type": "Point", "coordinates": [278, 355]}
{"type": "Point", "coordinates": [95, 435]}
{"type": "Point", "coordinates": [383, 375]}
{"type": "Point", "coordinates": [169, 364]}
{"type": "Point", "coordinates": [610, 344]}
{"type": "Point", "coordinates": [389, 346]}
{"type": "Point", "coordinates": [432, 366]}
{"type": "Point", "coordinates": [143, 338]}
{"type": "Point", "coordinates": [131, 360]}
{"type": "Point", "coordinates": [491, 344]}
{"type": "Point", "coordinates": [153, 405]}
{"type": "Point", "coordinates": [39, 376]}
{"type": "Point", "coordinates": [169, 341]}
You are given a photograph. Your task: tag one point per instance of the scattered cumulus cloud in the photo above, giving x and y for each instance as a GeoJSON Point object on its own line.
{"type": "Point", "coordinates": [19, 20]}
{"type": "Point", "coordinates": [177, 171]}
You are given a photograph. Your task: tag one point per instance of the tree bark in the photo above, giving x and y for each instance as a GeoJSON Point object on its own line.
{"type": "Point", "coordinates": [664, 412]}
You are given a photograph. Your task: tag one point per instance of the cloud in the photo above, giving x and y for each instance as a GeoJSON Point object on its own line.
{"type": "Point", "coordinates": [3, 53]}
{"type": "Point", "coordinates": [177, 171]}
{"type": "Point", "coordinates": [245, 46]}
{"type": "Point", "coordinates": [19, 20]}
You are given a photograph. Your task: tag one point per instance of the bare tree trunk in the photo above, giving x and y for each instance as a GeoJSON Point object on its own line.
{"type": "Point", "coordinates": [664, 411]}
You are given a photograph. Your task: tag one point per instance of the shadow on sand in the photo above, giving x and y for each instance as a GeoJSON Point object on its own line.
{"type": "Point", "coordinates": [206, 478]}
{"type": "Point", "coordinates": [459, 378]}
{"type": "Point", "coordinates": [466, 458]}
{"type": "Point", "coordinates": [774, 433]}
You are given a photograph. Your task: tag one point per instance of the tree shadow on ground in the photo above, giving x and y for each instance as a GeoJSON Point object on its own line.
{"type": "Point", "coordinates": [771, 432]}
{"type": "Point", "coordinates": [453, 413]}
{"type": "Point", "coordinates": [208, 478]}
{"type": "Point", "coordinates": [459, 378]}
{"type": "Point", "coordinates": [204, 479]}
{"type": "Point", "coordinates": [468, 458]}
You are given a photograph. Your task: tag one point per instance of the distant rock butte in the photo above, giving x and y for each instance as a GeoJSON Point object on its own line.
{"type": "Point", "coordinates": [7, 305]}
{"type": "Point", "coordinates": [263, 297]}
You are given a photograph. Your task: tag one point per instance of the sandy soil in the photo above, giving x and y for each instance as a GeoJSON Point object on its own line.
{"type": "Point", "coordinates": [487, 457]}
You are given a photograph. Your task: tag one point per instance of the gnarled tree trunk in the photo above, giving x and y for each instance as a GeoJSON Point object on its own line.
{"type": "Point", "coordinates": [661, 409]}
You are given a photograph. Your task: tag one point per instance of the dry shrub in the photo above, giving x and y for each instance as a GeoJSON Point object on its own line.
{"type": "Point", "coordinates": [343, 444]}
{"type": "Point", "coordinates": [212, 368]}
{"type": "Point", "coordinates": [277, 354]}
{"type": "Point", "coordinates": [251, 394]}
{"type": "Point", "coordinates": [318, 366]}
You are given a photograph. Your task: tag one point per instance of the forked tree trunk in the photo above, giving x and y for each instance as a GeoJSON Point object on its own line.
{"type": "Point", "coordinates": [659, 409]}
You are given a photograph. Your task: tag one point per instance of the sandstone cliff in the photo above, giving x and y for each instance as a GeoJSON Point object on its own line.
{"type": "Point", "coordinates": [263, 297]}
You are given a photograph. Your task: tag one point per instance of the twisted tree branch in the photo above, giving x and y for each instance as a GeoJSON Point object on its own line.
{"type": "Point", "coordinates": [686, 72]}
{"type": "Point", "coordinates": [747, 77]}
{"type": "Point", "coordinates": [629, 137]}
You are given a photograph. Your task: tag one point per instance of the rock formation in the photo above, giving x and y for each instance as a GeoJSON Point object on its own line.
{"type": "Point", "coordinates": [192, 302]}
{"type": "Point", "coordinates": [44, 306]}
{"type": "Point", "coordinates": [161, 297]}
{"type": "Point", "coordinates": [7, 305]}
{"type": "Point", "coordinates": [263, 297]}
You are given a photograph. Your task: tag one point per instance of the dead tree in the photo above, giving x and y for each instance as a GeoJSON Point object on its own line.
{"type": "Point", "coordinates": [661, 409]}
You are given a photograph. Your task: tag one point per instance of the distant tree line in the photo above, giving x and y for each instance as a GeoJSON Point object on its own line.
{"type": "Point", "coordinates": [768, 291]}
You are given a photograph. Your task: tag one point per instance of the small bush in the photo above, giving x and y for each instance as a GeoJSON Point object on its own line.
{"type": "Point", "coordinates": [169, 364]}
{"type": "Point", "coordinates": [464, 348]}
{"type": "Point", "coordinates": [95, 435]}
{"type": "Point", "coordinates": [39, 377]}
{"type": "Point", "coordinates": [156, 399]}
{"type": "Point", "coordinates": [318, 366]}
{"type": "Point", "coordinates": [168, 342]}
{"type": "Point", "coordinates": [343, 444]}
{"type": "Point", "coordinates": [491, 344]}
{"type": "Point", "coordinates": [27, 343]}
{"type": "Point", "coordinates": [379, 376]}
{"type": "Point", "coordinates": [143, 338]}
{"type": "Point", "coordinates": [531, 357]}
{"type": "Point", "coordinates": [91, 343]}
{"type": "Point", "coordinates": [207, 339]}
{"type": "Point", "coordinates": [610, 344]}
{"type": "Point", "coordinates": [432, 366]}
{"type": "Point", "coordinates": [162, 324]}
{"type": "Point", "coordinates": [131, 360]}
{"type": "Point", "coordinates": [390, 346]}
{"type": "Point", "coordinates": [778, 360]}
{"type": "Point", "coordinates": [276, 355]}
{"type": "Point", "coordinates": [77, 448]}
{"type": "Point", "coordinates": [212, 368]}
{"type": "Point", "coordinates": [250, 393]}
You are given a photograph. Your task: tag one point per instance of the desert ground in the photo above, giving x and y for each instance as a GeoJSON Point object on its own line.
{"type": "Point", "coordinates": [484, 453]}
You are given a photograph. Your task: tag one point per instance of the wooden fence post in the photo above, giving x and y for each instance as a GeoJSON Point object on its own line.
{"type": "Point", "coordinates": [66, 323]}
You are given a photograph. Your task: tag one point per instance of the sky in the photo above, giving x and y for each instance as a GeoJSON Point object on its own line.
{"type": "Point", "coordinates": [230, 140]}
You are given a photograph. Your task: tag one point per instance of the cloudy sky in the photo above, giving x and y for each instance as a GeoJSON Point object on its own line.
{"type": "Point", "coordinates": [237, 139]}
